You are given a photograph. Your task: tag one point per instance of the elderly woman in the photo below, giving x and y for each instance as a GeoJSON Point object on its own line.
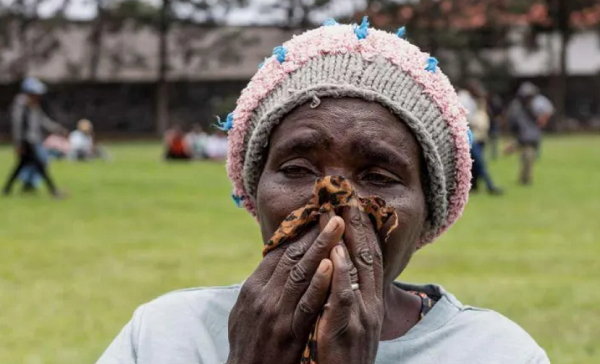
{"type": "Point", "coordinates": [362, 113]}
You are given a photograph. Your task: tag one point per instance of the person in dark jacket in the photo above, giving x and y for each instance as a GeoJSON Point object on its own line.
{"type": "Point", "coordinates": [28, 123]}
{"type": "Point", "coordinates": [528, 113]}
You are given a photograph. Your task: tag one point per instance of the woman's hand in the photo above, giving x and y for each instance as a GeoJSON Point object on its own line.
{"type": "Point", "coordinates": [350, 328]}
{"type": "Point", "coordinates": [279, 304]}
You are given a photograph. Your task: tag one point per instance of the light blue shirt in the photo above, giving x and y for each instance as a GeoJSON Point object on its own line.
{"type": "Point", "coordinates": [190, 327]}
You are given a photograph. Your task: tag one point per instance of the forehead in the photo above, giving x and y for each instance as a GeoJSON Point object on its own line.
{"type": "Point", "coordinates": [346, 120]}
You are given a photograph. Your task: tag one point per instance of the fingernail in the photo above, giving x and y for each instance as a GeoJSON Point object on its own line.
{"type": "Point", "coordinates": [331, 226]}
{"type": "Point", "coordinates": [324, 266]}
{"type": "Point", "coordinates": [340, 251]}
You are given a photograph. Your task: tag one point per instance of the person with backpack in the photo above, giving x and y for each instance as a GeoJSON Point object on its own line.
{"type": "Point", "coordinates": [528, 114]}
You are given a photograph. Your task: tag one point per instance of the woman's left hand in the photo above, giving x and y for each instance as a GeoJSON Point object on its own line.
{"type": "Point", "coordinates": [350, 328]}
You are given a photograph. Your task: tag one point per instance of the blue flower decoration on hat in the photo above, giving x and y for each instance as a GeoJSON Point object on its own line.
{"type": "Point", "coordinates": [432, 64]}
{"type": "Point", "coordinates": [362, 30]}
{"type": "Point", "coordinates": [401, 32]}
{"type": "Point", "coordinates": [238, 200]}
{"type": "Point", "coordinates": [280, 52]}
{"type": "Point", "coordinates": [227, 124]}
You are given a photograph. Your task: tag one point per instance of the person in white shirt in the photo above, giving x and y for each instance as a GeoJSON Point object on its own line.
{"type": "Point", "coordinates": [473, 98]}
{"type": "Point", "coordinates": [196, 141]}
{"type": "Point", "coordinates": [216, 146]}
{"type": "Point", "coordinates": [82, 145]}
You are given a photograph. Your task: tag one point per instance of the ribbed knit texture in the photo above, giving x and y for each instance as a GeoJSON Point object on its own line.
{"type": "Point", "coordinates": [332, 62]}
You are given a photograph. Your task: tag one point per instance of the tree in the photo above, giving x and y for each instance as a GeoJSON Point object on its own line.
{"type": "Point", "coordinates": [96, 33]}
{"type": "Point", "coordinates": [16, 24]}
{"type": "Point", "coordinates": [162, 86]}
{"type": "Point", "coordinates": [469, 26]}
{"type": "Point", "coordinates": [563, 15]}
{"type": "Point", "coordinates": [170, 13]}
{"type": "Point", "coordinates": [198, 12]}
{"type": "Point", "coordinates": [459, 32]}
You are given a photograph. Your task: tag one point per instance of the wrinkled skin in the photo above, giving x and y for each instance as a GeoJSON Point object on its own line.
{"type": "Point", "coordinates": [278, 305]}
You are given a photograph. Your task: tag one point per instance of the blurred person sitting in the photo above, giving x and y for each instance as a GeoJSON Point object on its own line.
{"type": "Point", "coordinates": [473, 98]}
{"type": "Point", "coordinates": [28, 123]}
{"type": "Point", "coordinates": [216, 146]}
{"type": "Point", "coordinates": [57, 146]}
{"type": "Point", "coordinates": [82, 144]}
{"type": "Point", "coordinates": [528, 114]}
{"type": "Point", "coordinates": [196, 141]}
{"type": "Point", "coordinates": [175, 144]}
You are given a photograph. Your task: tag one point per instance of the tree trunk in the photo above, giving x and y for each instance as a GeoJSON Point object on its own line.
{"type": "Point", "coordinates": [23, 25]}
{"type": "Point", "coordinates": [162, 87]}
{"type": "Point", "coordinates": [96, 40]}
{"type": "Point", "coordinates": [561, 81]}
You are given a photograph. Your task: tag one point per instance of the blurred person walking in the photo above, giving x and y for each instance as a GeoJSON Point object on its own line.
{"type": "Point", "coordinates": [473, 98]}
{"type": "Point", "coordinates": [496, 114]}
{"type": "Point", "coordinates": [528, 114]}
{"type": "Point", "coordinates": [28, 123]}
{"type": "Point", "coordinates": [29, 175]}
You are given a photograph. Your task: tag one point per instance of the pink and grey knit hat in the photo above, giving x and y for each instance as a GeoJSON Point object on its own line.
{"type": "Point", "coordinates": [360, 62]}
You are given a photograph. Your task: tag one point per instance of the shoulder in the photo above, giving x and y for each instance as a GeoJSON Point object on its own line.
{"type": "Point", "coordinates": [484, 336]}
{"type": "Point", "coordinates": [182, 321]}
{"type": "Point", "coordinates": [491, 323]}
{"type": "Point", "coordinates": [186, 326]}
{"type": "Point", "coordinates": [197, 301]}
{"type": "Point", "coordinates": [496, 334]}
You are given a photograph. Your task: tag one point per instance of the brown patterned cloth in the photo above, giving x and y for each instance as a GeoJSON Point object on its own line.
{"type": "Point", "coordinates": [330, 193]}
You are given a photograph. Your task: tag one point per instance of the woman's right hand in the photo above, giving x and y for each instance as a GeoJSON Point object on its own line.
{"type": "Point", "coordinates": [280, 303]}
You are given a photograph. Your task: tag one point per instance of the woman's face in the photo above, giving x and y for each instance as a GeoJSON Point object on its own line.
{"type": "Point", "coordinates": [360, 140]}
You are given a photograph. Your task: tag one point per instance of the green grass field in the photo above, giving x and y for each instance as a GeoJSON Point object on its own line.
{"type": "Point", "coordinates": [73, 271]}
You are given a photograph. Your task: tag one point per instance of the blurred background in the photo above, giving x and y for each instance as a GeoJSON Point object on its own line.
{"type": "Point", "coordinates": [142, 81]}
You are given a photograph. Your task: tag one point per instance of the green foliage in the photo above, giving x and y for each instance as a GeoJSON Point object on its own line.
{"type": "Point", "coordinates": [73, 271]}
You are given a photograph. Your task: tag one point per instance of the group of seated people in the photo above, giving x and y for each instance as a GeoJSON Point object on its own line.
{"type": "Point", "coordinates": [79, 145]}
{"type": "Point", "coordinates": [195, 144]}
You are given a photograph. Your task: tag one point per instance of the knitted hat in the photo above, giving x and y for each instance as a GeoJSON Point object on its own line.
{"type": "Point", "coordinates": [360, 62]}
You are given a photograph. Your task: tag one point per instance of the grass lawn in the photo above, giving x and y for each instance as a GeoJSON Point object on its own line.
{"type": "Point", "coordinates": [73, 271]}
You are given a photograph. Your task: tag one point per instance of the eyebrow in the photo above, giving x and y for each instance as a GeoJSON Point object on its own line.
{"type": "Point", "coordinates": [301, 143]}
{"type": "Point", "coordinates": [376, 150]}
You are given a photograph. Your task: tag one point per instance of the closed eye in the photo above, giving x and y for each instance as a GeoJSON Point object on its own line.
{"type": "Point", "coordinates": [296, 171]}
{"type": "Point", "coordinates": [381, 179]}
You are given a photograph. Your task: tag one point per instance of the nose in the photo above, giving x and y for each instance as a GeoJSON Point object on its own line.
{"type": "Point", "coordinates": [337, 171]}
{"type": "Point", "coordinates": [349, 176]}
